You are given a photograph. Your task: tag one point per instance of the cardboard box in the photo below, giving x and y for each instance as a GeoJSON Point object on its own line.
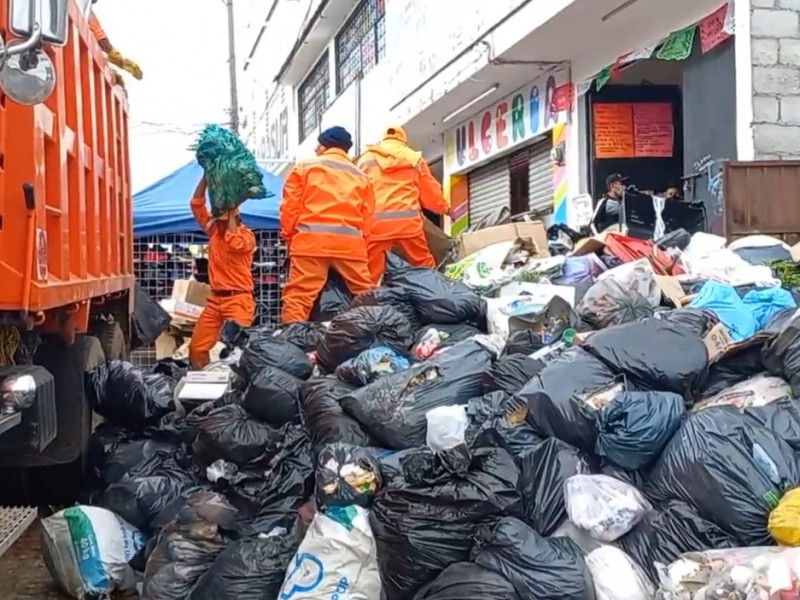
{"type": "Point", "coordinates": [718, 341]}
{"type": "Point", "coordinates": [166, 346]}
{"type": "Point", "coordinates": [190, 291]}
{"type": "Point", "coordinates": [672, 290]}
{"type": "Point", "coordinates": [534, 231]}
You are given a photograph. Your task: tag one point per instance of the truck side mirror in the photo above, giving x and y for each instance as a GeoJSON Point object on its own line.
{"type": "Point", "coordinates": [45, 18]}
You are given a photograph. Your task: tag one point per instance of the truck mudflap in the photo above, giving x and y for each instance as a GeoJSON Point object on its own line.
{"type": "Point", "coordinates": [14, 521]}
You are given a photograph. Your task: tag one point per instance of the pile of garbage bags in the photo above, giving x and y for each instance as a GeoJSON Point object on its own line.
{"type": "Point", "coordinates": [620, 424]}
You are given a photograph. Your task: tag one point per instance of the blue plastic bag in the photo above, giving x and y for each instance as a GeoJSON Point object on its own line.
{"type": "Point", "coordinates": [371, 365]}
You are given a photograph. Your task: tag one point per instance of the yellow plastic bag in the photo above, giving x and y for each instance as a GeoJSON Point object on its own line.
{"type": "Point", "coordinates": [784, 521]}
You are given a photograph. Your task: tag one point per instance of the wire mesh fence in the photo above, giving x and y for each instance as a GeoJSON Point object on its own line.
{"type": "Point", "coordinates": [161, 260]}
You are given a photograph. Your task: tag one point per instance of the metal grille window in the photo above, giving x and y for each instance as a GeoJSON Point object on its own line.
{"type": "Point", "coordinates": [313, 97]}
{"type": "Point", "coordinates": [361, 44]}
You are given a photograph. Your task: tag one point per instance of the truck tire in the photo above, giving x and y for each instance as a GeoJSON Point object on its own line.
{"type": "Point", "coordinates": [55, 475]}
{"type": "Point", "coordinates": [112, 339]}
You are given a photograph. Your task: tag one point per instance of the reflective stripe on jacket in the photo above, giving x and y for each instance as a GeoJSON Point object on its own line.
{"type": "Point", "coordinates": [327, 207]}
{"type": "Point", "coordinates": [403, 185]}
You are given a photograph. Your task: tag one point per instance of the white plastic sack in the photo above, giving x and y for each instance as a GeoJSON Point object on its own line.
{"type": "Point", "coordinates": [639, 276]}
{"type": "Point", "coordinates": [87, 550]}
{"type": "Point", "coordinates": [604, 507]}
{"type": "Point", "coordinates": [337, 559]}
{"type": "Point", "coordinates": [447, 427]}
{"type": "Point", "coordinates": [761, 390]}
{"type": "Point", "coordinates": [617, 577]}
{"type": "Point", "coordinates": [757, 241]}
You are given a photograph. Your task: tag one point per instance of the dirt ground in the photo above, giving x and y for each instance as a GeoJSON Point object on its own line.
{"type": "Point", "coordinates": [24, 574]}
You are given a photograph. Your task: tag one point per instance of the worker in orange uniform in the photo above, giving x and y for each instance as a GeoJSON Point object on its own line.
{"type": "Point", "coordinates": [326, 218]}
{"type": "Point", "coordinates": [403, 185]}
{"type": "Point", "coordinates": [231, 246]}
{"type": "Point", "coordinates": [114, 56]}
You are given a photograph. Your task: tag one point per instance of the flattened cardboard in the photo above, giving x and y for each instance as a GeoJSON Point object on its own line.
{"type": "Point", "coordinates": [671, 289]}
{"type": "Point", "coordinates": [473, 241]}
{"type": "Point", "coordinates": [590, 245]}
{"type": "Point", "coordinates": [191, 292]}
{"type": "Point", "coordinates": [718, 341]}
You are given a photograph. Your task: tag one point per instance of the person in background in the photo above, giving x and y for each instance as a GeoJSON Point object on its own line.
{"type": "Point", "coordinates": [674, 192]}
{"type": "Point", "coordinates": [404, 185]}
{"type": "Point", "coordinates": [607, 211]}
{"type": "Point", "coordinates": [114, 56]}
{"type": "Point", "coordinates": [231, 246]}
{"type": "Point", "coordinates": [326, 217]}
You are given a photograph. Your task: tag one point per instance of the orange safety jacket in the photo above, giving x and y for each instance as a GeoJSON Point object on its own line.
{"type": "Point", "coordinates": [327, 207]}
{"type": "Point", "coordinates": [96, 28]}
{"type": "Point", "coordinates": [403, 185]}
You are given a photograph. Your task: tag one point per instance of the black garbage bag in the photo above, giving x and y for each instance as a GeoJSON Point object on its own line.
{"type": "Point", "coordinates": [228, 433]}
{"type": "Point", "coordinates": [437, 299]}
{"type": "Point", "coordinates": [734, 367]}
{"type": "Point", "coordinates": [360, 329]}
{"type": "Point", "coordinates": [781, 356]}
{"type": "Point", "coordinates": [394, 297]}
{"type": "Point", "coordinates": [187, 547]}
{"type": "Point", "coordinates": [171, 367]}
{"type": "Point", "coordinates": [393, 408]}
{"type": "Point", "coordinates": [333, 301]}
{"type": "Point", "coordinates": [435, 338]}
{"type": "Point", "coordinates": [141, 495]}
{"type": "Point", "coordinates": [125, 395]}
{"type": "Point", "coordinates": [544, 467]}
{"type": "Point", "coordinates": [782, 417]}
{"type": "Point", "coordinates": [654, 355]}
{"type": "Point", "coordinates": [667, 532]}
{"type": "Point", "coordinates": [324, 416]}
{"type": "Point", "coordinates": [468, 581]}
{"type": "Point", "coordinates": [634, 427]}
{"type": "Point", "coordinates": [694, 321]}
{"type": "Point", "coordinates": [424, 518]}
{"type": "Point", "coordinates": [113, 452]}
{"type": "Point", "coordinates": [730, 469]}
{"type": "Point", "coordinates": [557, 397]}
{"type": "Point", "coordinates": [498, 419]}
{"type": "Point", "coordinates": [266, 496]}
{"type": "Point", "coordinates": [608, 303]}
{"type": "Point", "coordinates": [273, 396]}
{"type": "Point", "coordinates": [263, 350]}
{"type": "Point", "coordinates": [371, 365]}
{"type": "Point", "coordinates": [251, 568]}
{"type": "Point", "coordinates": [346, 475]}
{"type": "Point", "coordinates": [149, 319]}
{"type": "Point", "coordinates": [511, 373]}
{"type": "Point", "coordinates": [544, 569]}
{"type": "Point", "coordinates": [306, 335]}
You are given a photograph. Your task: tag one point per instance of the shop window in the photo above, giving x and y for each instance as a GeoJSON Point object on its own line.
{"type": "Point", "coordinates": [361, 44]}
{"type": "Point", "coordinates": [519, 183]}
{"type": "Point", "coordinates": [313, 96]}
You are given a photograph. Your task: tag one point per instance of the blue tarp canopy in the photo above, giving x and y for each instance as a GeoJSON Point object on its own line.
{"type": "Point", "coordinates": [163, 207]}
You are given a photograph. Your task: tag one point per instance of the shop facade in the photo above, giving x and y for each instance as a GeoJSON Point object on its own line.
{"type": "Point", "coordinates": [501, 156]}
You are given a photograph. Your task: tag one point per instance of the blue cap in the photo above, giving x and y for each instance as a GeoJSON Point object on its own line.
{"type": "Point", "coordinates": [336, 137]}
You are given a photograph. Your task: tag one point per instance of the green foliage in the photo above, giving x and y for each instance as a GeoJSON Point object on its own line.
{"type": "Point", "coordinates": [231, 170]}
{"type": "Point", "coordinates": [787, 271]}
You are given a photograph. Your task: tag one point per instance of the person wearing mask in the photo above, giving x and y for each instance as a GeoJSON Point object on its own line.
{"type": "Point", "coordinates": [112, 54]}
{"type": "Point", "coordinates": [326, 217]}
{"type": "Point", "coordinates": [404, 185]}
{"type": "Point", "coordinates": [607, 211]}
{"type": "Point", "coordinates": [231, 246]}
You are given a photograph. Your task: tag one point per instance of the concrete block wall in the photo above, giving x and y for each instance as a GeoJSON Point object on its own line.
{"type": "Point", "coordinates": [775, 46]}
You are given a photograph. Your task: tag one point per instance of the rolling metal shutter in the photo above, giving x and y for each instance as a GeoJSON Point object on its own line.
{"type": "Point", "coordinates": [489, 190]}
{"type": "Point", "coordinates": [540, 175]}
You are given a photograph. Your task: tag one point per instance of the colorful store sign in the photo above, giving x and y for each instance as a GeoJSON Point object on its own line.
{"type": "Point", "coordinates": [527, 113]}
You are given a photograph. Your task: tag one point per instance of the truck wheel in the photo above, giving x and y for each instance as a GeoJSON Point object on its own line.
{"type": "Point", "coordinates": [55, 475]}
{"type": "Point", "coordinates": [112, 339]}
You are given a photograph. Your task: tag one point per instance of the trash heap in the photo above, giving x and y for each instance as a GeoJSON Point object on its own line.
{"type": "Point", "coordinates": [620, 423]}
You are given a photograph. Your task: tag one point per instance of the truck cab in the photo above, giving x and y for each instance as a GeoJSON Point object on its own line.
{"type": "Point", "coordinates": [66, 242]}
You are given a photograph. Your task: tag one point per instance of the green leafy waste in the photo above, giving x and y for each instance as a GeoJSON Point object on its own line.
{"type": "Point", "coordinates": [787, 271]}
{"type": "Point", "coordinates": [232, 173]}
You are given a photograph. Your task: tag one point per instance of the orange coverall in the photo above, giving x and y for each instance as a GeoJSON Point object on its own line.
{"type": "Point", "coordinates": [230, 261]}
{"type": "Point", "coordinates": [403, 185]}
{"type": "Point", "coordinates": [326, 216]}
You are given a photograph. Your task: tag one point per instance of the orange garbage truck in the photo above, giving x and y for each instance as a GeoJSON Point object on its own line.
{"type": "Point", "coordinates": [66, 244]}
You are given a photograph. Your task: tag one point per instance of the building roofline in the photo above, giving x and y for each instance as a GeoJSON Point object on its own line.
{"type": "Point", "coordinates": [301, 40]}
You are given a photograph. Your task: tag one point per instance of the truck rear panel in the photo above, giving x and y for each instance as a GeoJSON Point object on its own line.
{"type": "Point", "coordinates": [73, 149]}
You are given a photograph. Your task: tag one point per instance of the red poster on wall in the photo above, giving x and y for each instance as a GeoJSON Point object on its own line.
{"type": "Point", "coordinates": [653, 130]}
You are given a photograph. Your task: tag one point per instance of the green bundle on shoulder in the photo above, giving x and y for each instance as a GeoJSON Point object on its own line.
{"type": "Point", "coordinates": [232, 173]}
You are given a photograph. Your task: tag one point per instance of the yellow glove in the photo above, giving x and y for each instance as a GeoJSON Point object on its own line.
{"type": "Point", "coordinates": [115, 58]}
{"type": "Point", "coordinates": [132, 68]}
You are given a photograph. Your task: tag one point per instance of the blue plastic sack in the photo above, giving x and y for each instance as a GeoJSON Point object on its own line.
{"type": "Point", "coordinates": [371, 365]}
{"type": "Point", "coordinates": [635, 427]}
{"type": "Point", "coordinates": [765, 303]}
